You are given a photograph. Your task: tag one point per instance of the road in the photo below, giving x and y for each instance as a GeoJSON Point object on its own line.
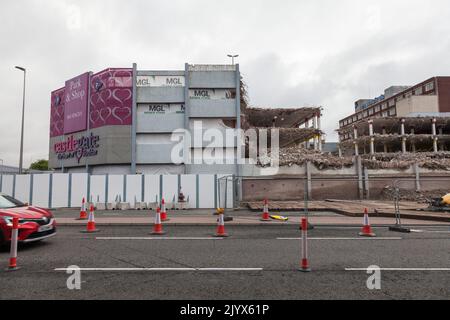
{"type": "Point", "coordinates": [275, 261]}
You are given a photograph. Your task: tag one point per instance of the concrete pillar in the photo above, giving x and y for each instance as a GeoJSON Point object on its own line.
{"type": "Point", "coordinates": [372, 139]}
{"type": "Point", "coordinates": [315, 137]}
{"type": "Point", "coordinates": [385, 150]}
{"type": "Point", "coordinates": [355, 137]}
{"type": "Point", "coordinates": [417, 173]}
{"type": "Point", "coordinates": [366, 183]}
{"type": "Point", "coordinates": [340, 151]}
{"type": "Point", "coordinates": [402, 133]}
{"type": "Point", "coordinates": [433, 127]}
{"type": "Point", "coordinates": [360, 178]}
{"type": "Point", "coordinates": [435, 144]}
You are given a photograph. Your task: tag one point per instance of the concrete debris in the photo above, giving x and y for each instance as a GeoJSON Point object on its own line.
{"type": "Point", "coordinates": [290, 156]}
{"type": "Point", "coordinates": [389, 193]}
{"type": "Point", "coordinates": [402, 161]}
{"type": "Point", "coordinates": [299, 156]}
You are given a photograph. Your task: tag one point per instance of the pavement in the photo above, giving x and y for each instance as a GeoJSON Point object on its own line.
{"type": "Point", "coordinates": [202, 217]}
{"type": "Point", "coordinates": [255, 263]}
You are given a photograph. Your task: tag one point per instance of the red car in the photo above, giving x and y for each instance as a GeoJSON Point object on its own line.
{"type": "Point", "coordinates": [34, 223]}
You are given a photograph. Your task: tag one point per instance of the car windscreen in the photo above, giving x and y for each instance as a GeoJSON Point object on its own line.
{"type": "Point", "coordinates": [9, 202]}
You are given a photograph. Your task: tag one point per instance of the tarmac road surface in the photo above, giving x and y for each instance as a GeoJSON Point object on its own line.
{"type": "Point", "coordinates": [255, 262]}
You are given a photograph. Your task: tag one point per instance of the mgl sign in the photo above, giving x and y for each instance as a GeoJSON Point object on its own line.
{"type": "Point", "coordinates": [160, 81]}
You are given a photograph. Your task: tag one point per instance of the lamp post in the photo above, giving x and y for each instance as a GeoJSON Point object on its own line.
{"type": "Point", "coordinates": [232, 57]}
{"type": "Point", "coordinates": [23, 119]}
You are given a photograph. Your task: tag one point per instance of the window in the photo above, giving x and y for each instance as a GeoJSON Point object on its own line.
{"type": "Point", "coordinates": [429, 86]}
{"type": "Point", "coordinates": [385, 114]}
{"type": "Point", "coordinates": [418, 91]}
{"type": "Point", "coordinates": [391, 103]}
{"type": "Point", "coordinates": [359, 116]}
{"type": "Point", "coordinates": [370, 112]}
{"type": "Point", "coordinates": [384, 106]}
{"type": "Point", "coordinates": [392, 112]}
{"type": "Point", "coordinates": [354, 118]}
{"type": "Point", "coordinates": [365, 114]}
{"type": "Point", "coordinates": [377, 109]}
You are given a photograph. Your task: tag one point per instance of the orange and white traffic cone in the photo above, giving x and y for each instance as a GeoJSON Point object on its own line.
{"type": "Point", "coordinates": [221, 227]}
{"type": "Point", "coordinates": [83, 213]}
{"type": "Point", "coordinates": [265, 215]}
{"type": "Point", "coordinates": [163, 211]}
{"type": "Point", "coordinates": [366, 229]}
{"type": "Point", "coordinates": [157, 227]}
{"type": "Point", "coordinates": [14, 238]}
{"type": "Point", "coordinates": [91, 222]}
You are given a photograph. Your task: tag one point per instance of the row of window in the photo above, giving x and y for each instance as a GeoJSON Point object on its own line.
{"type": "Point", "coordinates": [373, 112]}
{"type": "Point", "coordinates": [383, 106]}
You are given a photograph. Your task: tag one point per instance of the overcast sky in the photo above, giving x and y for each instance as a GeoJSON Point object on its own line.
{"type": "Point", "coordinates": [292, 53]}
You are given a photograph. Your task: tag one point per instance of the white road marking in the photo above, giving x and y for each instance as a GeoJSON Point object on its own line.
{"type": "Point", "coordinates": [428, 231]}
{"type": "Point", "coordinates": [400, 269]}
{"type": "Point", "coordinates": [362, 238]}
{"type": "Point", "coordinates": [161, 269]}
{"type": "Point", "coordinates": [157, 238]}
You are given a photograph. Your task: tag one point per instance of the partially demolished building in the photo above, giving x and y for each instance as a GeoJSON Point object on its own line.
{"type": "Point", "coordinates": [298, 127]}
{"type": "Point", "coordinates": [404, 119]}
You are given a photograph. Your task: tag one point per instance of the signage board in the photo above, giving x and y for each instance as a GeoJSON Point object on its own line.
{"type": "Point", "coordinates": [160, 81]}
{"type": "Point", "coordinates": [160, 109]}
{"type": "Point", "coordinates": [76, 102]}
{"type": "Point", "coordinates": [212, 94]}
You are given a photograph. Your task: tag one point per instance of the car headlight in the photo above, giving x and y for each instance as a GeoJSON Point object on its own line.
{"type": "Point", "coordinates": [8, 221]}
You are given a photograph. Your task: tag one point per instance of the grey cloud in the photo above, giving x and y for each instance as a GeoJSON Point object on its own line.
{"type": "Point", "coordinates": [292, 53]}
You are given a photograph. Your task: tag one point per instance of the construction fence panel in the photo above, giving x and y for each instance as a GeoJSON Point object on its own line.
{"type": "Point", "coordinates": [152, 188]}
{"type": "Point", "coordinates": [115, 187]}
{"type": "Point", "coordinates": [133, 189]}
{"type": "Point", "coordinates": [170, 188]}
{"type": "Point", "coordinates": [41, 190]}
{"type": "Point", "coordinates": [22, 188]}
{"type": "Point", "coordinates": [207, 197]}
{"type": "Point", "coordinates": [60, 190]}
{"type": "Point", "coordinates": [78, 188]}
{"type": "Point", "coordinates": [188, 186]}
{"type": "Point", "coordinates": [8, 184]}
{"type": "Point", "coordinates": [97, 188]}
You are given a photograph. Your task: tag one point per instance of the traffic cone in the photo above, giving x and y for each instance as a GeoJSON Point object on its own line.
{"type": "Point", "coordinates": [366, 229]}
{"type": "Point", "coordinates": [13, 252]}
{"type": "Point", "coordinates": [157, 227]}
{"type": "Point", "coordinates": [83, 213]}
{"type": "Point", "coordinates": [91, 222]}
{"type": "Point", "coordinates": [221, 227]}
{"type": "Point", "coordinates": [163, 211]}
{"type": "Point", "coordinates": [265, 215]}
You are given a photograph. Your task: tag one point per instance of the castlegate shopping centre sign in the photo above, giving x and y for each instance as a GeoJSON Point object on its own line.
{"type": "Point", "coordinates": [86, 146]}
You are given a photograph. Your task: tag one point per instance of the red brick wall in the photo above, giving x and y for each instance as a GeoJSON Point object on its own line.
{"type": "Point", "coordinates": [444, 93]}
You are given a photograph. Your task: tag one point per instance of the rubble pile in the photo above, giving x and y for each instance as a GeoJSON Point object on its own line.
{"type": "Point", "coordinates": [388, 193]}
{"type": "Point", "coordinates": [427, 160]}
{"type": "Point", "coordinates": [299, 156]}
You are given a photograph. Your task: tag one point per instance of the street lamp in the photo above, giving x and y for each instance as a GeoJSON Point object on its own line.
{"type": "Point", "coordinates": [232, 57]}
{"type": "Point", "coordinates": [23, 119]}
